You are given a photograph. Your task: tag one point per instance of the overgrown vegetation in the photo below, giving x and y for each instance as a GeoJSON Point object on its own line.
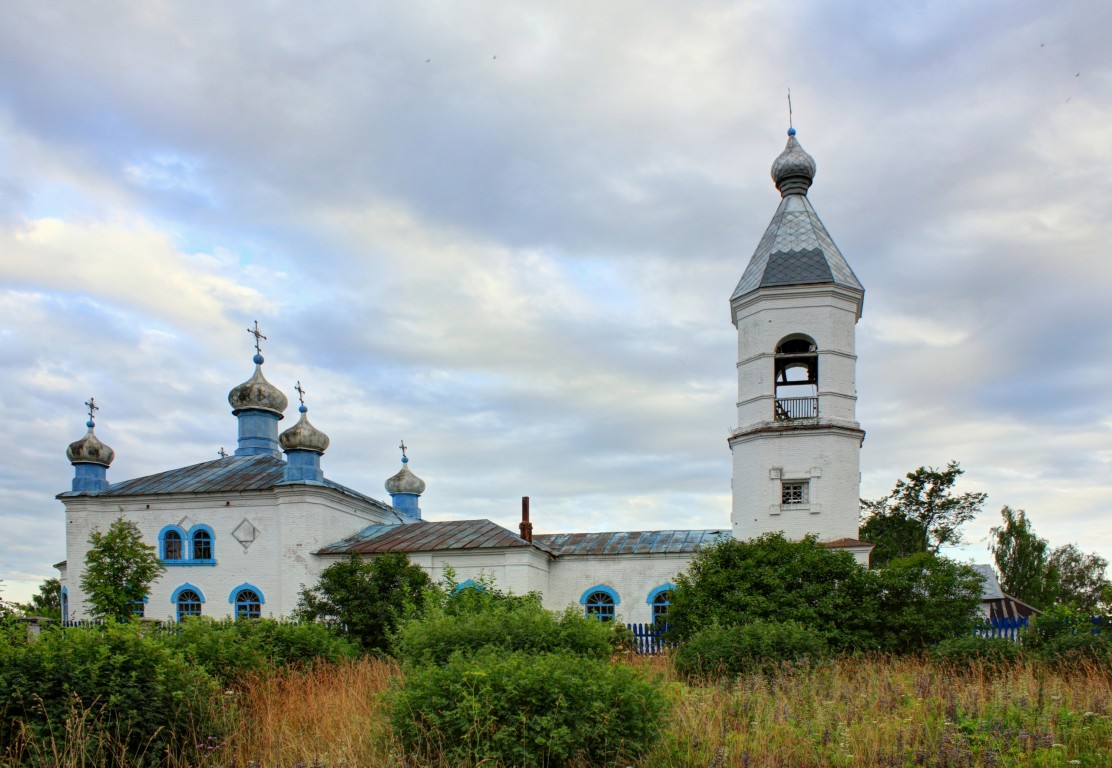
{"type": "Point", "coordinates": [119, 570]}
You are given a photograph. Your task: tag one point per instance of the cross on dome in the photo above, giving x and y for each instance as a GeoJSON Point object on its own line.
{"type": "Point", "coordinates": [403, 446]}
{"type": "Point", "coordinates": [91, 404]}
{"type": "Point", "coordinates": [258, 335]}
{"type": "Point", "coordinates": [300, 393]}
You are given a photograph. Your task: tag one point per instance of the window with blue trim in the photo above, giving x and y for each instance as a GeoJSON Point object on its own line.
{"type": "Point", "coordinates": [202, 544]}
{"type": "Point", "coordinates": [171, 541]}
{"type": "Point", "coordinates": [65, 605]}
{"type": "Point", "coordinates": [139, 608]}
{"type": "Point", "coordinates": [600, 605]}
{"type": "Point", "coordinates": [660, 604]}
{"type": "Point", "coordinates": [249, 605]}
{"type": "Point", "coordinates": [189, 603]}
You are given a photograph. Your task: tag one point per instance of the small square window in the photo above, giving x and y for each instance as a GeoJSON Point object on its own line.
{"type": "Point", "coordinates": [793, 492]}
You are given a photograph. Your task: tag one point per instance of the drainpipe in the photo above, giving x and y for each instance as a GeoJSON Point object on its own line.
{"type": "Point", "coordinates": [526, 527]}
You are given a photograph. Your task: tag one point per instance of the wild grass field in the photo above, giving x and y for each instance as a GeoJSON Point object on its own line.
{"type": "Point", "coordinates": [869, 711]}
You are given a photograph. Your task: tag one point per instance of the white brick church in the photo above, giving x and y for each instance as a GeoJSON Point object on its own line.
{"type": "Point", "coordinates": [241, 535]}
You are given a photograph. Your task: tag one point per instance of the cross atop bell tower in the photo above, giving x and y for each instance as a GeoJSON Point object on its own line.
{"type": "Point", "coordinates": [796, 449]}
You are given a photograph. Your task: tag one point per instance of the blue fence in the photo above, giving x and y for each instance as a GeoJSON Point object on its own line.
{"type": "Point", "coordinates": [648, 639]}
{"type": "Point", "coordinates": [1007, 628]}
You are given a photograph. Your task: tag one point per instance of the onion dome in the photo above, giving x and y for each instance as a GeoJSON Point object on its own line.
{"type": "Point", "coordinates": [257, 393]}
{"type": "Point", "coordinates": [89, 449]}
{"type": "Point", "coordinates": [794, 170]}
{"type": "Point", "coordinates": [405, 481]}
{"type": "Point", "coordinates": [303, 436]}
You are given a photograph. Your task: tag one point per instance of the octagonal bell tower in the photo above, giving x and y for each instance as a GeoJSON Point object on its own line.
{"type": "Point", "coordinates": [796, 449]}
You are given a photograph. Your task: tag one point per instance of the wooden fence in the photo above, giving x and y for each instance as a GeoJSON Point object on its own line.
{"type": "Point", "coordinates": [648, 639]}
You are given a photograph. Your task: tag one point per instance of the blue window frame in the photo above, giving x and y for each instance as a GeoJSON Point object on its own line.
{"type": "Point", "coordinates": [659, 600]}
{"type": "Point", "coordinates": [139, 608]}
{"type": "Point", "coordinates": [187, 600]}
{"type": "Point", "coordinates": [171, 544]}
{"type": "Point", "coordinates": [248, 601]}
{"type": "Point", "coordinates": [65, 604]}
{"type": "Point", "coordinates": [600, 602]}
{"type": "Point", "coordinates": [201, 540]}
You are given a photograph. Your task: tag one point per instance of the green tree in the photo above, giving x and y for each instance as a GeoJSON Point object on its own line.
{"type": "Point", "coordinates": [365, 599]}
{"type": "Point", "coordinates": [1080, 580]}
{"type": "Point", "coordinates": [119, 570]}
{"type": "Point", "coordinates": [1022, 559]}
{"type": "Point", "coordinates": [773, 579]}
{"type": "Point", "coordinates": [923, 599]}
{"type": "Point", "coordinates": [921, 514]}
{"type": "Point", "coordinates": [47, 602]}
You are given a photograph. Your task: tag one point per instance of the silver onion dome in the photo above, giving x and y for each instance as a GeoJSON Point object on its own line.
{"type": "Point", "coordinates": [405, 481]}
{"type": "Point", "coordinates": [90, 450]}
{"type": "Point", "coordinates": [794, 170]}
{"type": "Point", "coordinates": [303, 436]}
{"type": "Point", "coordinates": [257, 394]}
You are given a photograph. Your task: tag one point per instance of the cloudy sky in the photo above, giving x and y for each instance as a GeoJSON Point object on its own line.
{"type": "Point", "coordinates": [508, 232]}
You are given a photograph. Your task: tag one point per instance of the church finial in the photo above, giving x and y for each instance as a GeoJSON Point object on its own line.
{"type": "Point", "coordinates": [222, 453]}
{"type": "Point", "coordinates": [258, 348]}
{"type": "Point", "coordinates": [791, 125]}
{"type": "Point", "coordinates": [300, 397]}
{"type": "Point", "coordinates": [403, 446]}
{"type": "Point", "coordinates": [91, 404]}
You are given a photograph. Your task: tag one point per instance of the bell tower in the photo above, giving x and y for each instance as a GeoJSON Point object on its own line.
{"type": "Point", "coordinates": [796, 449]}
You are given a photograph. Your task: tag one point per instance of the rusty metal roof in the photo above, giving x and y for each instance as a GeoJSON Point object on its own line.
{"type": "Point", "coordinates": [628, 542]}
{"type": "Point", "coordinates": [233, 473]}
{"type": "Point", "coordinates": [426, 536]}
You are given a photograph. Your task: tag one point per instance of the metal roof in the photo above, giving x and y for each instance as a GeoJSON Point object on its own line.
{"type": "Point", "coordinates": [627, 542]}
{"type": "Point", "coordinates": [233, 473]}
{"type": "Point", "coordinates": [991, 589]}
{"type": "Point", "coordinates": [426, 536]}
{"type": "Point", "coordinates": [796, 250]}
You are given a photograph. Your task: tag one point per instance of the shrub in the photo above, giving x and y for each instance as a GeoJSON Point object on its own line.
{"type": "Point", "coordinates": [230, 649]}
{"type": "Point", "coordinates": [756, 646]}
{"type": "Point", "coordinates": [1069, 649]}
{"type": "Point", "coordinates": [518, 624]}
{"type": "Point", "coordinates": [127, 687]}
{"type": "Point", "coordinates": [971, 649]}
{"type": "Point", "coordinates": [1056, 622]}
{"type": "Point", "coordinates": [526, 709]}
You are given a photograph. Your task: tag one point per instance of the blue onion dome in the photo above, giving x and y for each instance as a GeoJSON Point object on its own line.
{"type": "Point", "coordinates": [257, 394]}
{"type": "Point", "coordinates": [89, 449]}
{"type": "Point", "coordinates": [405, 481]}
{"type": "Point", "coordinates": [794, 170]}
{"type": "Point", "coordinates": [303, 436]}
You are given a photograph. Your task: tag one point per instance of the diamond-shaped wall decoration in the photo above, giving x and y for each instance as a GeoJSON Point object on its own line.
{"type": "Point", "coordinates": [245, 533]}
{"type": "Point", "coordinates": [185, 523]}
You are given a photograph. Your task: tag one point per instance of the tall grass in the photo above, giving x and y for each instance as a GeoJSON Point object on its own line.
{"type": "Point", "coordinates": [882, 712]}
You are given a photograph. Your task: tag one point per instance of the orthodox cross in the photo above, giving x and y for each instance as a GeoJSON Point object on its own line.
{"type": "Point", "coordinates": [790, 108]}
{"type": "Point", "coordinates": [300, 393]}
{"type": "Point", "coordinates": [403, 447]}
{"type": "Point", "coordinates": [255, 332]}
{"type": "Point", "coordinates": [92, 406]}
{"type": "Point", "coordinates": [222, 453]}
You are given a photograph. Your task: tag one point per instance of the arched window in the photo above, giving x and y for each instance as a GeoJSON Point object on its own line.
{"type": "Point", "coordinates": [600, 602]}
{"type": "Point", "coordinates": [65, 604]}
{"type": "Point", "coordinates": [248, 601]}
{"type": "Point", "coordinates": [201, 538]}
{"type": "Point", "coordinates": [171, 543]}
{"type": "Point", "coordinates": [796, 376]}
{"type": "Point", "coordinates": [659, 600]}
{"type": "Point", "coordinates": [187, 600]}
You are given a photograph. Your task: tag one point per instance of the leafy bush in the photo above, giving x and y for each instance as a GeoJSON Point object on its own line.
{"type": "Point", "coordinates": [138, 692]}
{"type": "Point", "coordinates": [1059, 621]}
{"type": "Point", "coordinates": [971, 649]}
{"type": "Point", "coordinates": [518, 624]}
{"type": "Point", "coordinates": [758, 645]}
{"type": "Point", "coordinates": [229, 649]}
{"type": "Point", "coordinates": [1070, 649]}
{"type": "Point", "coordinates": [526, 709]}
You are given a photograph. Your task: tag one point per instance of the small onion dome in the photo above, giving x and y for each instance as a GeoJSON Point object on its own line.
{"type": "Point", "coordinates": [303, 436]}
{"type": "Point", "coordinates": [794, 170]}
{"type": "Point", "coordinates": [257, 394]}
{"type": "Point", "coordinates": [405, 481]}
{"type": "Point", "coordinates": [90, 450]}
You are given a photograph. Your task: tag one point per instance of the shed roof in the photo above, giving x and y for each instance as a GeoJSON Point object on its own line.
{"type": "Point", "coordinates": [627, 542]}
{"type": "Point", "coordinates": [426, 536]}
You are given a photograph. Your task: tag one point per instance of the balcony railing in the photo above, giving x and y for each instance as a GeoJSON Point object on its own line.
{"type": "Point", "coordinates": [792, 408]}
